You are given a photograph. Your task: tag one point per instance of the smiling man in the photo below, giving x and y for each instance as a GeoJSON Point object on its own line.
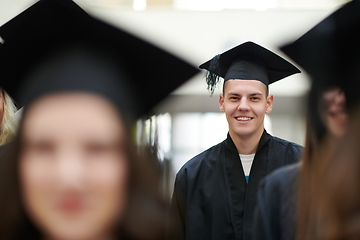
{"type": "Point", "coordinates": [215, 192]}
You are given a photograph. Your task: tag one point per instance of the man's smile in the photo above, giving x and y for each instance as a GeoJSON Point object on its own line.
{"type": "Point", "coordinates": [243, 118]}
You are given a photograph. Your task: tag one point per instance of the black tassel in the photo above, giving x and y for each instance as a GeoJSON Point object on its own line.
{"type": "Point", "coordinates": [212, 75]}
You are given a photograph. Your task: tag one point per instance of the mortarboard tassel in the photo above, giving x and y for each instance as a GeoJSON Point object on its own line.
{"type": "Point", "coordinates": [212, 76]}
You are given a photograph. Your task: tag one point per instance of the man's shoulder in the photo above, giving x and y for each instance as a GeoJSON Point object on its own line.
{"type": "Point", "coordinates": [285, 143]}
{"type": "Point", "coordinates": [292, 151]}
{"type": "Point", "coordinates": [205, 158]}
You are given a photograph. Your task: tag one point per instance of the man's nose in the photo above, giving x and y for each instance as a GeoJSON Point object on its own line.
{"type": "Point", "coordinates": [243, 105]}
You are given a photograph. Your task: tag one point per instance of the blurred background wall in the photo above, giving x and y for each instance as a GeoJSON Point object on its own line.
{"type": "Point", "coordinates": [189, 121]}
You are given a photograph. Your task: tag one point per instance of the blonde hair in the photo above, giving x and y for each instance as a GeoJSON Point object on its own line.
{"type": "Point", "coordinates": [9, 122]}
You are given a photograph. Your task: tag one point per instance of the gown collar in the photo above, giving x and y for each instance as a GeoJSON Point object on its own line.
{"type": "Point", "coordinates": [265, 137]}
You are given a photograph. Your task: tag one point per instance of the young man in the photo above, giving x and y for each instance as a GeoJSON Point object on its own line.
{"type": "Point", "coordinates": [215, 192]}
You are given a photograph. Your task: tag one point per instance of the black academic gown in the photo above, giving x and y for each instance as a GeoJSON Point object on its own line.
{"type": "Point", "coordinates": [275, 214]}
{"type": "Point", "coordinates": [2, 150]}
{"type": "Point", "coordinates": [211, 198]}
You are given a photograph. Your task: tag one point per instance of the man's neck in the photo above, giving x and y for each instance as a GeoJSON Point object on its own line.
{"type": "Point", "coordinates": [247, 144]}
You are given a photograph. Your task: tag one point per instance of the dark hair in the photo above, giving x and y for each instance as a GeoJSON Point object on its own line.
{"type": "Point", "coordinates": [339, 197]}
{"type": "Point", "coordinates": [319, 147]}
{"type": "Point", "coordinates": [145, 212]}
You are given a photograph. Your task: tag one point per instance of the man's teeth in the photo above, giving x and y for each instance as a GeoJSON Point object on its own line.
{"type": "Point", "coordinates": [243, 118]}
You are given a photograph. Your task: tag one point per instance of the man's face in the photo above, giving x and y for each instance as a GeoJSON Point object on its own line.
{"type": "Point", "coordinates": [245, 103]}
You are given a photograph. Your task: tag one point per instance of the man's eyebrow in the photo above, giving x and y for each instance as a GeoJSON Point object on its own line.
{"type": "Point", "coordinates": [256, 93]}
{"type": "Point", "coordinates": [252, 94]}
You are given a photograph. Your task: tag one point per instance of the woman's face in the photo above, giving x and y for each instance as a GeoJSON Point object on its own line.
{"type": "Point", "coordinates": [73, 170]}
{"type": "Point", "coordinates": [334, 112]}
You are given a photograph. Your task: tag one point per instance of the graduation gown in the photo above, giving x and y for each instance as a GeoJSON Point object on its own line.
{"type": "Point", "coordinates": [211, 198]}
{"type": "Point", "coordinates": [275, 214]}
{"type": "Point", "coordinates": [2, 150]}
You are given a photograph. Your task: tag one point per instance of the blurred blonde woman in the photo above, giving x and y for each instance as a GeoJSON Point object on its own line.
{"type": "Point", "coordinates": [9, 121]}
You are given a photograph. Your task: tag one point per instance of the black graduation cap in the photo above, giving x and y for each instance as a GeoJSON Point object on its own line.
{"type": "Point", "coordinates": [247, 61]}
{"type": "Point", "coordinates": [29, 17]}
{"type": "Point", "coordinates": [330, 54]}
{"type": "Point", "coordinates": [56, 46]}
{"type": "Point", "coordinates": [330, 51]}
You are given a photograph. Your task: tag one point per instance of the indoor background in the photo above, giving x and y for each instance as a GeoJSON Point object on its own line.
{"type": "Point", "coordinates": [189, 121]}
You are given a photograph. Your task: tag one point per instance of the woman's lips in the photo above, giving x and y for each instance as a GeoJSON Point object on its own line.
{"type": "Point", "coordinates": [71, 205]}
{"type": "Point", "coordinates": [340, 117]}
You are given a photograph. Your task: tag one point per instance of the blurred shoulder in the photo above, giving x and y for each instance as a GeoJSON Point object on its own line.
{"type": "Point", "coordinates": [282, 178]}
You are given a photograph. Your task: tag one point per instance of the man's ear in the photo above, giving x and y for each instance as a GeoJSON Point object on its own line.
{"type": "Point", "coordinates": [269, 103]}
{"type": "Point", "coordinates": [221, 103]}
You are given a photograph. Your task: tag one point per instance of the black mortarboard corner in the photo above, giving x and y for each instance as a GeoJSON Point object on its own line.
{"type": "Point", "coordinates": [56, 46]}
{"type": "Point", "coordinates": [247, 61]}
{"type": "Point", "coordinates": [330, 52]}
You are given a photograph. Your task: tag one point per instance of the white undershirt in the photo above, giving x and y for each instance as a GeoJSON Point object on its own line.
{"type": "Point", "coordinates": [246, 161]}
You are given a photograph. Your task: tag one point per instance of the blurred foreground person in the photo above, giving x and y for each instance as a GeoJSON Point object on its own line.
{"type": "Point", "coordinates": [276, 214]}
{"type": "Point", "coordinates": [73, 171]}
{"type": "Point", "coordinates": [328, 52]}
{"type": "Point", "coordinates": [8, 120]}
{"type": "Point", "coordinates": [339, 197]}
